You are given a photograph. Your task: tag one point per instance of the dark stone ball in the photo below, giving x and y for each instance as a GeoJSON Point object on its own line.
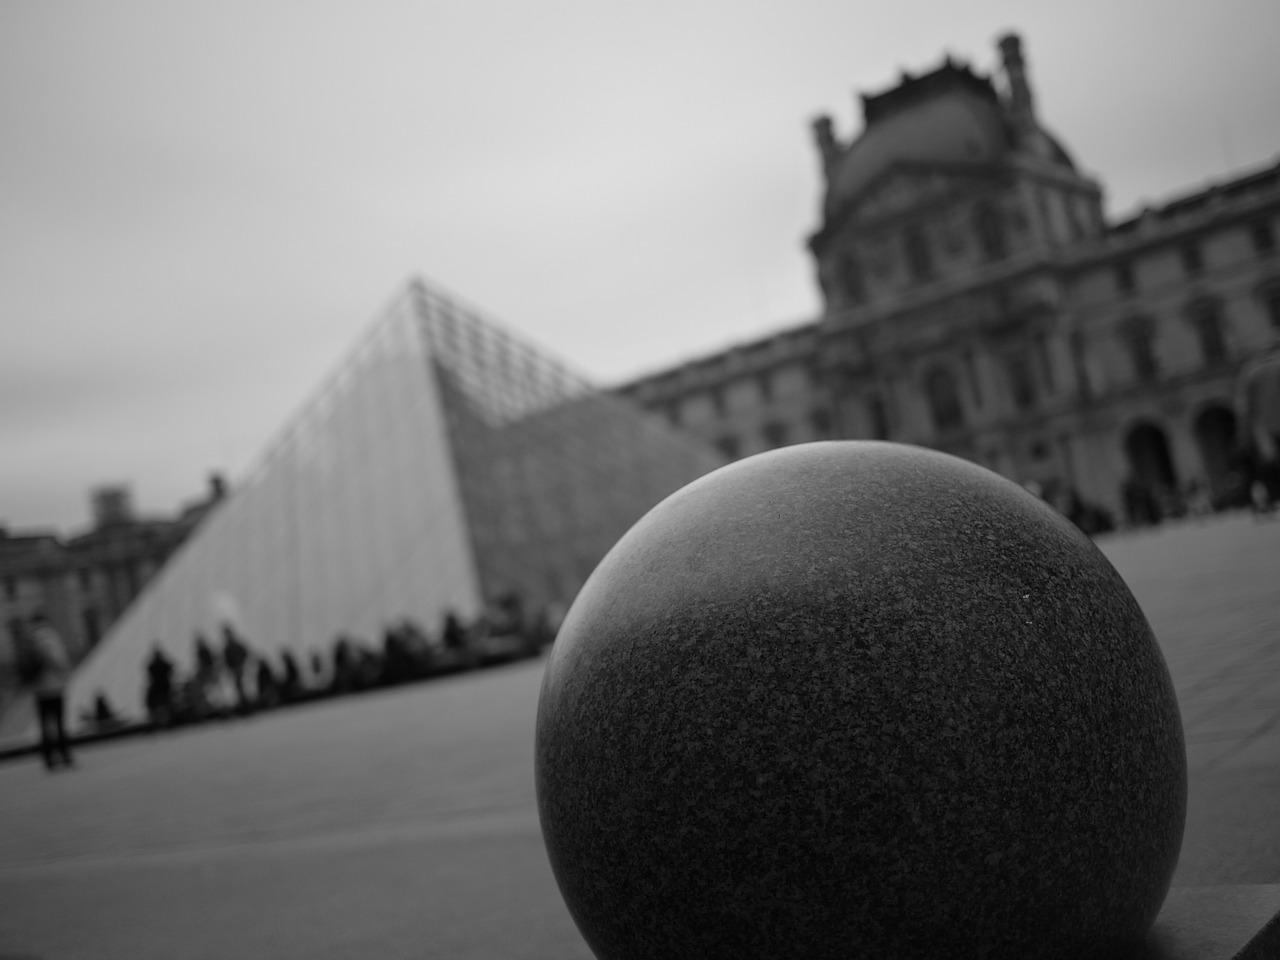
{"type": "Point", "coordinates": [858, 700]}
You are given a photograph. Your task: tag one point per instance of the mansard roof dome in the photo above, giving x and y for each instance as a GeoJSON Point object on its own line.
{"type": "Point", "coordinates": [948, 116]}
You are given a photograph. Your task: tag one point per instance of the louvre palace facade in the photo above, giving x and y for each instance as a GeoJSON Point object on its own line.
{"type": "Point", "coordinates": [977, 300]}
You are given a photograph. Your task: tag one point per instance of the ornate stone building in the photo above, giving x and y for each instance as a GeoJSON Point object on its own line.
{"type": "Point", "coordinates": [977, 300]}
{"type": "Point", "coordinates": [85, 582]}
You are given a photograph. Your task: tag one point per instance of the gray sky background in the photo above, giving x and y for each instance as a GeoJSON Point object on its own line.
{"type": "Point", "coordinates": [201, 205]}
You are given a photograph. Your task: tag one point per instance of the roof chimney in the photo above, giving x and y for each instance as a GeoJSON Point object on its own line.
{"type": "Point", "coordinates": [1021, 103]}
{"type": "Point", "coordinates": [828, 146]}
{"type": "Point", "coordinates": [111, 505]}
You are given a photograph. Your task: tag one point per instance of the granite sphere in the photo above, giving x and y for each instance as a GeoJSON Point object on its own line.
{"type": "Point", "coordinates": [858, 699]}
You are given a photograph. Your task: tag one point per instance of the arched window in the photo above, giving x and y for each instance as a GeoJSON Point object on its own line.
{"type": "Point", "coordinates": [944, 399]}
{"type": "Point", "coordinates": [990, 230]}
{"type": "Point", "coordinates": [919, 258]}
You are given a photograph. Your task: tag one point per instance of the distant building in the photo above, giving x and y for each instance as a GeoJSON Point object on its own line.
{"type": "Point", "coordinates": [83, 583]}
{"type": "Point", "coordinates": [978, 301]}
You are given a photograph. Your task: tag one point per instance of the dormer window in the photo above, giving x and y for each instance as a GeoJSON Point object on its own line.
{"type": "Point", "coordinates": [851, 280]}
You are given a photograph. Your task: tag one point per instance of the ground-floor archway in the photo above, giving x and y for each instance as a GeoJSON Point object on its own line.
{"type": "Point", "coordinates": [1149, 491]}
{"type": "Point", "coordinates": [1150, 462]}
{"type": "Point", "coordinates": [1215, 431]}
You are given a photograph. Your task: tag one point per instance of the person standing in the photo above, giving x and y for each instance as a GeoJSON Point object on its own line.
{"type": "Point", "coordinates": [50, 690]}
{"type": "Point", "coordinates": [236, 656]}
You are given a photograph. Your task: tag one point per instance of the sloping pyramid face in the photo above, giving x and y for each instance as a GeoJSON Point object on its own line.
{"type": "Point", "coordinates": [444, 466]}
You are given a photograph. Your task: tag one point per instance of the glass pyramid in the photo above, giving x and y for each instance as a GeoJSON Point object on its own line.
{"type": "Point", "coordinates": [444, 466]}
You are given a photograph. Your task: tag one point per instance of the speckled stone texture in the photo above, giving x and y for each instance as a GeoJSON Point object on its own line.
{"type": "Point", "coordinates": [858, 700]}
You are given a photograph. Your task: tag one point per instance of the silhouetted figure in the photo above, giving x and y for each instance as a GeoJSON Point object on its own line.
{"type": "Point", "coordinates": [51, 669]}
{"type": "Point", "coordinates": [268, 689]}
{"type": "Point", "coordinates": [203, 685]}
{"type": "Point", "coordinates": [102, 717]}
{"type": "Point", "coordinates": [291, 680]}
{"type": "Point", "coordinates": [317, 670]}
{"type": "Point", "coordinates": [344, 667]}
{"type": "Point", "coordinates": [102, 712]}
{"type": "Point", "coordinates": [397, 666]}
{"type": "Point", "coordinates": [455, 637]}
{"type": "Point", "coordinates": [236, 656]}
{"type": "Point", "coordinates": [368, 666]}
{"type": "Point", "coordinates": [159, 696]}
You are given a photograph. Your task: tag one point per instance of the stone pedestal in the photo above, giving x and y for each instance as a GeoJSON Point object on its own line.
{"type": "Point", "coordinates": [859, 699]}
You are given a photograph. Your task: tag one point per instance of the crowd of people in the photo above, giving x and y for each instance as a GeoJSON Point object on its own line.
{"type": "Point", "coordinates": [1252, 485]}
{"type": "Point", "coordinates": [228, 677]}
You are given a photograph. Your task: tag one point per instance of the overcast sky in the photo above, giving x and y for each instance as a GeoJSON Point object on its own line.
{"type": "Point", "coordinates": [201, 205]}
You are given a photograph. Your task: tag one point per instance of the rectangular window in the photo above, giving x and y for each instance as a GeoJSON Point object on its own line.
{"type": "Point", "coordinates": [975, 385]}
{"type": "Point", "coordinates": [10, 588]}
{"type": "Point", "coordinates": [717, 400]}
{"type": "Point", "coordinates": [92, 631]}
{"type": "Point", "coordinates": [878, 417]}
{"type": "Point", "coordinates": [1272, 301]}
{"type": "Point", "coordinates": [1192, 260]}
{"type": "Point", "coordinates": [919, 257]}
{"type": "Point", "coordinates": [1213, 346]}
{"type": "Point", "coordinates": [1046, 361]}
{"type": "Point", "coordinates": [1143, 356]}
{"type": "Point", "coordinates": [1080, 364]}
{"type": "Point", "coordinates": [820, 420]}
{"type": "Point", "coordinates": [1264, 238]}
{"type": "Point", "coordinates": [765, 383]}
{"type": "Point", "coordinates": [1124, 277]}
{"type": "Point", "coordinates": [1022, 384]}
{"type": "Point", "coordinates": [775, 434]}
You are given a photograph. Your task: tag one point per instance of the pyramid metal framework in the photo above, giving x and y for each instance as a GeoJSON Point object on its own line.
{"type": "Point", "coordinates": [445, 464]}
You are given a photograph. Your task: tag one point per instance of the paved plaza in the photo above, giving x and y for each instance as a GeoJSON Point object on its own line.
{"type": "Point", "coordinates": [402, 823]}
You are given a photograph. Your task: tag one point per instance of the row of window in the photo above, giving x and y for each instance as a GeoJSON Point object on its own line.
{"type": "Point", "coordinates": [777, 434]}
{"type": "Point", "coordinates": [1191, 256]}
{"type": "Point", "coordinates": [716, 394]}
{"type": "Point", "coordinates": [918, 252]}
{"type": "Point", "coordinates": [1027, 373]}
{"type": "Point", "coordinates": [1139, 337]}
{"type": "Point", "coordinates": [84, 578]}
